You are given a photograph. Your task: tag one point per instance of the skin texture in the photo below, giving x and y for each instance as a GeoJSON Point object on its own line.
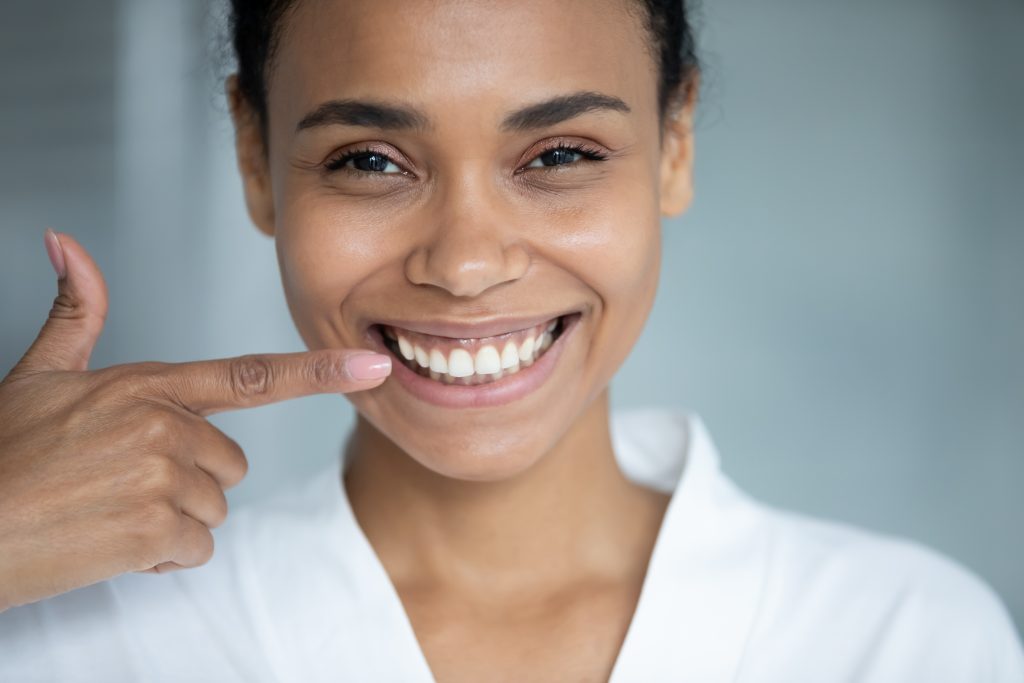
{"type": "Point", "coordinates": [515, 543]}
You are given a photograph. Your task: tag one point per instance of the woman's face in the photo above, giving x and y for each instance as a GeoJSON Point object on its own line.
{"type": "Point", "coordinates": [455, 212]}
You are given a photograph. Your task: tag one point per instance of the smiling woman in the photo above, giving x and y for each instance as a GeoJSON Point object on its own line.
{"type": "Point", "coordinates": [473, 192]}
{"type": "Point", "coordinates": [490, 184]}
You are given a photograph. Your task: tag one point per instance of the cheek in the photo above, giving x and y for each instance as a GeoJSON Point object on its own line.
{"type": "Point", "coordinates": [614, 248]}
{"type": "Point", "coordinates": [612, 242]}
{"type": "Point", "coordinates": [324, 253]}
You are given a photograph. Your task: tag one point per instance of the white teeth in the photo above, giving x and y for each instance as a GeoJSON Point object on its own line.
{"type": "Point", "coordinates": [460, 363]}
{"type": "Point", "coordinates": [509, 356]}
{"type": "Point", "coordinates": [488, 362]}
{"type": "Point", "coordinates": [405, 347]}
{"type": "Point", "coordinates": [526, 350]}
{"type": "Point", "coordinates": [438, 363]}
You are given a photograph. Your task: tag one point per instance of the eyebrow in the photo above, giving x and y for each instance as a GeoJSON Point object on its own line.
{"type": "Point", "coordinates": [386, 116]}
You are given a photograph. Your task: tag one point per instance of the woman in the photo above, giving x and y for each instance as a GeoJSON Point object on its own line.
{"type": "Point", "coordinates": [467, 223]}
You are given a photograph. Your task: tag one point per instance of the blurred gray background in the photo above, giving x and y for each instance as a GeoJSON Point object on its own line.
{"type": "Point", "coordinates": [842, 305]}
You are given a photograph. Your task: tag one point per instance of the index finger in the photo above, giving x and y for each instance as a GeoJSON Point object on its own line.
{"type": "Point", "coordinates": [206, 387]}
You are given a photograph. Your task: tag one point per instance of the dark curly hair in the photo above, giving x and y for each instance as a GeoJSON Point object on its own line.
{"type": "Point", "coordinates": [256, 25]}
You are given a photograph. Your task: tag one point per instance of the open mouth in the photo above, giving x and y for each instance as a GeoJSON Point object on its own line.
{"type": "Point", "coordinates": [471, 362]}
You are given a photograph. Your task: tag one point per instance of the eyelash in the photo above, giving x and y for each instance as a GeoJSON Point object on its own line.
{"type": "Point", "coordinates": [589, 154]}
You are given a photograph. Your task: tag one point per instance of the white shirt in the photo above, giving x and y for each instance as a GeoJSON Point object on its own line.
{"type": "Point", "coordinates": [735, 591]}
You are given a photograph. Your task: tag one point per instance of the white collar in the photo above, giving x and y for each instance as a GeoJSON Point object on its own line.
{"type": "Point", "coordinates": [695, 608]}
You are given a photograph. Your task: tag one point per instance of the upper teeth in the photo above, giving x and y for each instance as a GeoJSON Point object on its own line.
{"type": "Point", "coordinates": [489, 359]}
{"type": "Point", "coordinates": [509, 355]}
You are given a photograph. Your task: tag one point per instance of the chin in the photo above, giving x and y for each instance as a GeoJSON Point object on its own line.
{"type": "Point", "coordinates": [483, 447]}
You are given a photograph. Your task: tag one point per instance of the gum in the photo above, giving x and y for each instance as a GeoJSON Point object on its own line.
{"type": "Point", "coordinates": [446, 345]}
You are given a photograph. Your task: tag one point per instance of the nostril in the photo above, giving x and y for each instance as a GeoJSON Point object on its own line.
{"type": "Point", "coordinates": [467, 262]}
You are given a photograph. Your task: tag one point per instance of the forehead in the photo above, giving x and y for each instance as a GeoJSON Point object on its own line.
{"type": "Point", "coordinates": [459, 57]}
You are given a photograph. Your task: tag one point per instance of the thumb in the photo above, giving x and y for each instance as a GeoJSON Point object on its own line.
{"type": "Point", "coordinates": [76, 318]}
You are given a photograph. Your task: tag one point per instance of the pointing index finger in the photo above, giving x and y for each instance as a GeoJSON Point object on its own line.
{"type": "Point", "coordinates": [206, 387]}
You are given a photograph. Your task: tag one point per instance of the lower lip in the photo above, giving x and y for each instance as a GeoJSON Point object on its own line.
{"type": "Point", "coordinates": [501, 392]}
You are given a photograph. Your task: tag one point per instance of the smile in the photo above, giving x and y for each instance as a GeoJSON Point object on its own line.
{"type": "Point", "coordinates": [478, 372]}
{"type": "Point", "coordinates": [470, 362]}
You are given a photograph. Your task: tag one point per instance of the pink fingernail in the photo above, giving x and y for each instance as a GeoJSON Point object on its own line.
{"type": "Point", "coordinates": [368, 366]}
{"type": "Point", "coordinates": [55, 252]}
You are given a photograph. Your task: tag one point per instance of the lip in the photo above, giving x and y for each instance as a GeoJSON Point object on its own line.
{"type": "Point", "coordinates": [505, 390]}
{"type": "Point", "coordinates": [471, 330]}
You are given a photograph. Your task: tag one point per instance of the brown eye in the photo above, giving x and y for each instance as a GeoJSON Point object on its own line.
{"type": "Point", "coordinates": [565, 155]}
{"type": "Point", "coordinates": [364, 161]}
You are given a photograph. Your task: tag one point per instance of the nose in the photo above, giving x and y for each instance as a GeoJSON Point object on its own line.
{"type": "Point", "coordinates": [471, 246]}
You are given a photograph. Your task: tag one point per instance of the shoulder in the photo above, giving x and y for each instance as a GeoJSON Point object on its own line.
{"type": "Point", "coordinates": [828, 554]}
{"type": "Point", "coordinates": [892, 605]}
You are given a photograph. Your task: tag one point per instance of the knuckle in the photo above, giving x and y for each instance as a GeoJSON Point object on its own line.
{"type": "Point", "coordinates": [206, 550]}
{"type": "Point", "coordinates": [242, 460]}
{"type": "Point", "coordinates": [159, 427]}
{"type": "Point", "coordinates": [65, 306]}
{"type": "Point", "coordinates": [232, 465]}
{"type": "Point", "coordinates": [250, 376]}
{"type": "Point", "coordinates": [129, 375]}
{"type": "Point", "coordinates": [325, 369]}
{"type": "Point", "coordinates": [220, 510]}
{"type": "Point", "coordinates": [243, 466]}
{"type": "Point", "coordinates": [106, 388]}
{"type": "Point", "coordinates": [158, 529]}
{"type": "Point", "coordinates": [239, 467]}
{"type": "Point", "coordinates": [162, 476]}
{"type": "Point", "coordinates": [130, 384]}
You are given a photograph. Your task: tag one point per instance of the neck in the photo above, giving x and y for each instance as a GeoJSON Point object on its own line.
{"type": "Point", "coordinates": [571, 513]}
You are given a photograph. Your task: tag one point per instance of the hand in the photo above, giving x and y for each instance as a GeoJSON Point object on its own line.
{"type": "Point", "coordinates": [114, 470]}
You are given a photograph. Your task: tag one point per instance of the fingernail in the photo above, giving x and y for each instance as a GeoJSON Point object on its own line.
{"type": "Point", "coordinates": [368, 366]}
{"type": "Point", "coordinates": [55, 252]}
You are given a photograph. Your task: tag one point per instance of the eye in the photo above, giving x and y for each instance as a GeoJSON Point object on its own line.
{"type": "Point", "coordinates": [367, 161]}
{"type": "Point", "coordinates": [565, 155]}
{"type": "Point", "coordinates": [371, 162]}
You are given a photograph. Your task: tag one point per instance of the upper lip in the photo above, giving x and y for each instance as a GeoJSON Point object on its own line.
{"type": "Point", "coordinates": [475, 329]}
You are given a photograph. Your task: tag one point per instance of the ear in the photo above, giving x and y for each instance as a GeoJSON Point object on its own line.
{"type": "Point", "coordinates": [677, 153]}
{"type": "Point", "coordinates": [252, 158]}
